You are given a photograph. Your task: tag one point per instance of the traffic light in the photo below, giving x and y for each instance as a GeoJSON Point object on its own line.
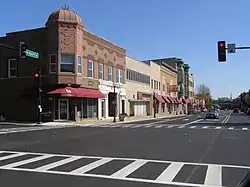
{"type": "Point", "coordinates": [37, 79]}
{"type": "Point", "coordinates": [22, 49]}
{"type": "Point", "coordinates": [221, 51]}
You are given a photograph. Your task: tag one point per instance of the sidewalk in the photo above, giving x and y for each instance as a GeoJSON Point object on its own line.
{"type": "Point", "coordinates": [110, 121]}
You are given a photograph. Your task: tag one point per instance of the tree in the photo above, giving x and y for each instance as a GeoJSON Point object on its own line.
{"type": "Point", "coordinates": [246, 97]}
{"type": "Point", "coordinates": [203, 92]}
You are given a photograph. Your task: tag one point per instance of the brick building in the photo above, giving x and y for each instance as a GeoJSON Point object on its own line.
{"type": "Point", "coordinates": [79, 72]}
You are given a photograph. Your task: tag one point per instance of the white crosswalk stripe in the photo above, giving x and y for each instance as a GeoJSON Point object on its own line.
{"type": "Point", "coordinates": [213, 175]}
{"type": "Point", "coordinates": [169, 126]}
{"type": "Point", "coordinates": [31, 128]}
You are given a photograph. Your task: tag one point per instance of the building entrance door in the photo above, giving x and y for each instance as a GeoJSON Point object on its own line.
{"type": "Point", "coordinates": [63, 109]}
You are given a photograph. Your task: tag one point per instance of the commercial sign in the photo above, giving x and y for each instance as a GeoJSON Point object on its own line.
{"type": "Point", "coordinates": [173, 88]}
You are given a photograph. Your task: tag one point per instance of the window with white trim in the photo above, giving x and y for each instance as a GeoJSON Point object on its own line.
{"type": "Point", "coordinates": [79, 64]}
{"type": "Point", "coordinates": [90, 68]}
{"type": "Point", "coordinates": [12, 67]}
{"type": "Point", "coordinates": [67, 63]}
{"type": "Point", "coordinates": [110, 73]}
{"type": "Point", "coordinates": [100, 71]}
{"type": "Point", "coordinates": [119, 76]}
{"type": "Point", "coordinates": [52, 63]}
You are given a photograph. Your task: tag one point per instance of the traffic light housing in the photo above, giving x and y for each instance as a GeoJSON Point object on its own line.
{"type": "Point", "coordinates": [222, 51]}
{"type": "Point", "coordinates": [22, 49]}
{"type": "Point", "coordinates": [37, 79]}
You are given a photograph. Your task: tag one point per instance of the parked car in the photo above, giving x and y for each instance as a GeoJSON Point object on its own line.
{"type": "Point", "coordinates": [212, 114]}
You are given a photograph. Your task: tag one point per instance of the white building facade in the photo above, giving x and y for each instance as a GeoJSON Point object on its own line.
{"type": "Point", "coordinates": [105, 105]}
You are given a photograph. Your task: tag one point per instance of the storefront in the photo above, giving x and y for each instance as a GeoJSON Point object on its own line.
{"type": "Point", "coordinates": [114, 97]}
{"type": "Point", "coordinates": [158, 104]}
{"type": "Point", "coordinates": [75, 103]}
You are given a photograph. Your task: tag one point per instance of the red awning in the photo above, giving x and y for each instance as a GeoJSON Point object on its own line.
{"type": "Point", "coordinates": [159, 99]}
{"type": "Point", "coordinates": [67, 92]}
{"type": "Point", "coordinates": [184, 101]}
{"type": "Point", "coordinates": [171, 100]}
{"type": "Point", "coordinates": [78, 92]}
{"type": "Point", "coordinates": [166, 99]}
{"type": "Point", "coordinates": [175, 100]}
{"type": "Point", "coordinates": [90, 93]}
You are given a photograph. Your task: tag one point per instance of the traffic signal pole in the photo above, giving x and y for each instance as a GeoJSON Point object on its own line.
{"type": "Point", "coordinates": [38, 95]}
{"type": "Point", "coordinates": [230, 48]}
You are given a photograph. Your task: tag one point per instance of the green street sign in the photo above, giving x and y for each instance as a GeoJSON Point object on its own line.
{"type": "Point", "coordinates": [32, 54]}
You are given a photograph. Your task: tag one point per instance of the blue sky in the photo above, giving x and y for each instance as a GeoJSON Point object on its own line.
{"type": "Point", "coordinates": [157, 29]}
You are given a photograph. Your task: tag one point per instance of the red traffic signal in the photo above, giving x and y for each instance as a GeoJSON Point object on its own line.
{"type": "Point", "coordinates": [221, 51]}
{"type": "Point", "coordinates": [36, 75]}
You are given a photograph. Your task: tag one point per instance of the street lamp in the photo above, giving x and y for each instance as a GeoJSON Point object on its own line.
{"type": "Point", "coordinates": [154, 105]}
{"type": "Point", "coordinates": [115, 101]}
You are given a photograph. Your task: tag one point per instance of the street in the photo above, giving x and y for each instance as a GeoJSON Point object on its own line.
{"type": "Point", "coordinates": [182, 151]}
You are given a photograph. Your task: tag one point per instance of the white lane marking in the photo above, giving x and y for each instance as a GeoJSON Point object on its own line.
{"type": "Point", "coordinates": [159, 126]}
{"type": "Point", "coordinates": [170, 126]}
{"type": "Point", "coordinates": [164, 178]}
{"type": "Point", "coordinates": [91, 166]}
{"type": "Point", "coordinates": [231, 128]}
{"type": "Point", "coordinates": [167, 120]}
{"type": "Point", "coordinates": [12, 156]}
{"type": "Point", "coordinates": [27, 161]}
{"type": "Point", "coordinates": [27, 129]}
{"type": "Point", "coordinates": [192, 122]}
{"type": "Point", "coordinates": [244, 129]}
{"type": "Point", "coordinates": [58, 163]}
{"type": "Point", "coordinates": [214, 176]}
{"type": "Point", "coordinates": [170, 172]}
{"type": "Point", "coordinates": [124, 172]}
{"type": "Point", "coordinates": [123, 158]}
{"type": "Point", "coordinates": [205, 127]}
{"type": "Point", "coordinates": [186, 119]}
{"type": "Point", "coordinates": [109, 177]}
{"type": "Point", "coordinates": [217, 127]}
{"type": "Point", "coordinates": [192, 127]}
{"type": "Point", "coordinates": [180, 127]}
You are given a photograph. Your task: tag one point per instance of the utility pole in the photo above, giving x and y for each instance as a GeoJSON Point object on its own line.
{"type": "Point", "coordinates": [154, 105]}
{"type": "Point", "coordinates": [114, 105]}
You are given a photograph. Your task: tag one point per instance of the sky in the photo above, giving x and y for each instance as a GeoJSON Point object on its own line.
{"type": "Point", "coordinates": [150, 29]}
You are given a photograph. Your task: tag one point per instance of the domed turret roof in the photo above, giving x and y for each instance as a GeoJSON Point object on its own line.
{"type": "Point", "coordinates": [65, 15]}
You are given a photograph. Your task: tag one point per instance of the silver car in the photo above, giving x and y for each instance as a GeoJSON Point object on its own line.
{"type": "Point", "coordinates": [212, 114]}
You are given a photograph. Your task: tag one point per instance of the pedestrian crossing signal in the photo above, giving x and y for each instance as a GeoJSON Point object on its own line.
{"type": "Point", "coordinates": [221, 51]}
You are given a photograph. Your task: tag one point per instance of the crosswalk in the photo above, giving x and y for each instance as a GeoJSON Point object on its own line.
{"type": "Point", "coordinates": [30, 128]}
{"type": "Point", "coordinates": [203, 126]}
{"type": "Point", "coordinates": [128, 169]}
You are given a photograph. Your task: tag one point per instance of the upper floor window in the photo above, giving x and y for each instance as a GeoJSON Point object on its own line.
{"type": "Point", "coordinates": [163, 87]}
{"type": "Point", "coordinates": [67, 63]}
{"type": "Point", "coordinates": [100, 71]}
{"type": "Point", "coordinates": [90, 68]}
{"type": "Point", "coordinates": [138, 77]}
{"type": "Point", "coordinates": [79, 64]}
{"type": "Point", "coordinates": [12, 67]}
{"type": "Point", "coordinates": [110, 73]}
{"type": "Point", "coordinates": [119, 76]}
{"type": "Point", "coordinates": [152, 84]}
{"type": "Point", "coordinates": [52, 63]}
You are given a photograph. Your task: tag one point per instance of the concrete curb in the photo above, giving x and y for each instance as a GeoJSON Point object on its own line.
{"type": "Point", "coordinates": [110, 123]}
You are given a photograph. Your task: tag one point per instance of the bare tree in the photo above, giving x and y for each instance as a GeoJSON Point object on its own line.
{"type": "Point", "coordinates": [203, 92]}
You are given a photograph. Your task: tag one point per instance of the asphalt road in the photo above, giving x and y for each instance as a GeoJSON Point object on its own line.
{"type": "Point", "coordinates": [128, 157]}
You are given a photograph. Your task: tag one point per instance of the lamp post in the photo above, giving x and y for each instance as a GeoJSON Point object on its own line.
{"type": "Point", "coordinates": [114, 86]}
{"type": "Point", "coordinates": [154, 105]}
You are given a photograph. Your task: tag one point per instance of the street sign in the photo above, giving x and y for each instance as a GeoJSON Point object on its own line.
{"type": "Point", "coordinates": [230, 48]}
{"type": "Point", "coordinates": [32, 54]}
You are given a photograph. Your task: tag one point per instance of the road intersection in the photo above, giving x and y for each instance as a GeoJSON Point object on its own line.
{"type": "Point", "coordinates": [185, 151]}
